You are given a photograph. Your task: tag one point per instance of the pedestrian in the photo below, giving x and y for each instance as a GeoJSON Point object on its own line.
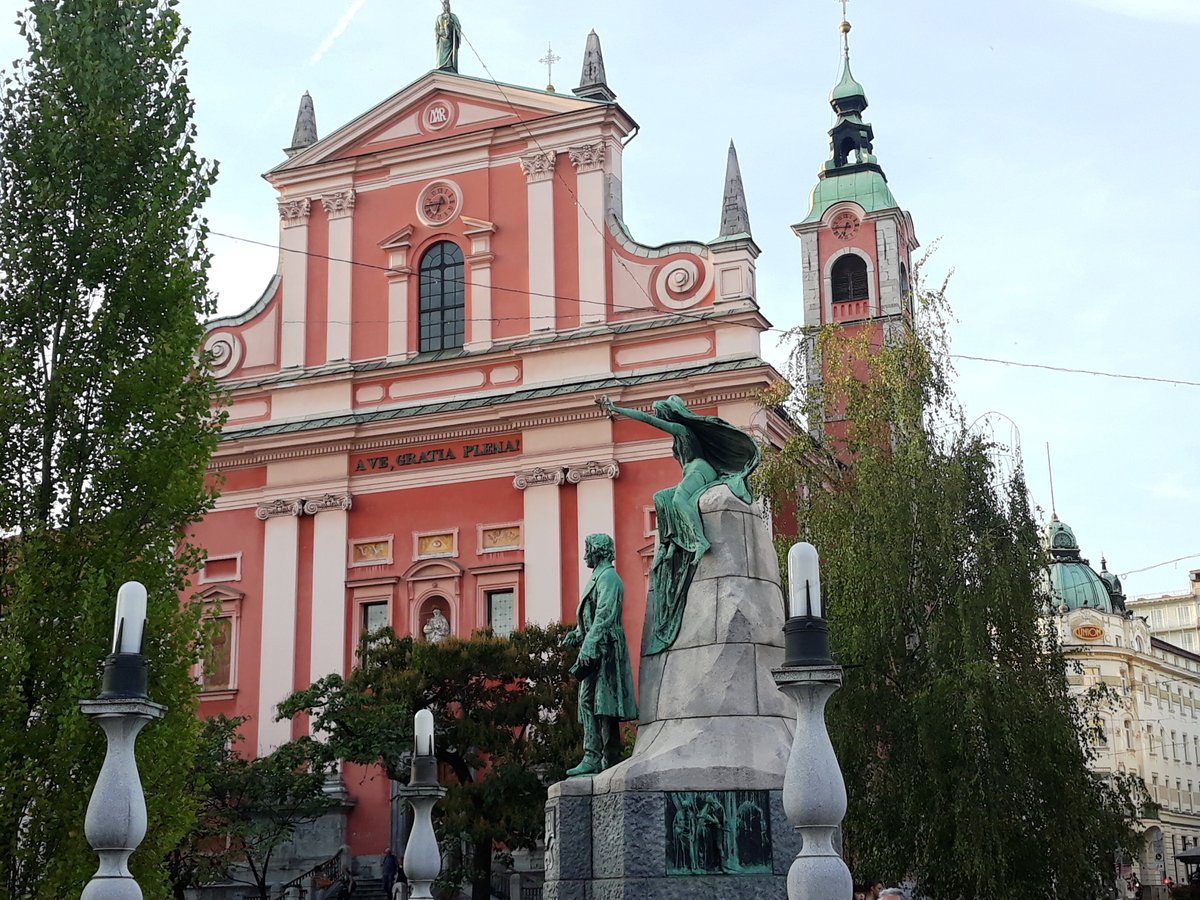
{"type": "Point", "coordinates": [874, 890]}
{"type": "Point", "coordinates": [387, 871]}
{"type": "Point", "coordinates": [400, 889]}
{"type": "Point", "coordinates": [860, 892]}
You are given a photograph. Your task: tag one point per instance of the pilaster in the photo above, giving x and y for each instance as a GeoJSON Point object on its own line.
{"type": "Point", "coordinates": [293, 246]}
{"type": "Point", "coordinates": [479, 278]}
{"type": "Point", "coordinates": [591, 190]}
{"type": "Point", "coordinates": [542, 516]}
{"type": "Point", "coordinates": [539, 173]}
{"type": "Point", "coordinates": [594, 501]}
{"type": "Point", "coordinates": [399, 272]}
{"type": "Point", "coordinates": [339, 208]}
{"type": "Point", "coordinates": [277, 651]}
{"type": "Point", "coordinates": [328, 633]}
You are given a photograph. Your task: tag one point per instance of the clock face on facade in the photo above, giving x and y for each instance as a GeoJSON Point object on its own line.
{"type": "Point", "coordinates": [439, 203]}
{"type": "Point", "coordinates": [844, 225]}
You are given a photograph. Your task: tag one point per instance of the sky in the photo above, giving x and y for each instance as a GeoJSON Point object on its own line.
{"type": "Point", "coordinates": [1046, 146]}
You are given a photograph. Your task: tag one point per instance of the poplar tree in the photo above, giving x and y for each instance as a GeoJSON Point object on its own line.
{"type": "Point", "coordinates": [965, 755]}
{"type": "Point", "coordinates": [105, 417]}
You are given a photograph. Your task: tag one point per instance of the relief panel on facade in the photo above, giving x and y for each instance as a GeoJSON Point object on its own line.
{"type": "Point", "coordinates": [499, 537]}
{"type": "Point", "coordinates": [434, 544]}
{"type": "Point", "coordinates": [371, 552]}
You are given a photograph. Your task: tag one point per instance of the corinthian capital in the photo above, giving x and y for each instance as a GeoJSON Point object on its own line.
{"type": "Point", "coordinates": [294, 212]}
{"type": "Point", "coordinates": [539, 166]}
{"type": "Point", "coordinates": [338, 204]}
{"type": "Point", "coordinates": [588, 157]}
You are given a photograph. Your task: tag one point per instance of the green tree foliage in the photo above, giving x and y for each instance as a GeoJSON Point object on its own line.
{"type": "Point", "coordinates": [106, 423]}
{"type": "Point", "coordinates": [966, 757]}
{"type": "Point", "coordinates": [505, 725]}
{"type": "Point", "coordinates": [251, 808]}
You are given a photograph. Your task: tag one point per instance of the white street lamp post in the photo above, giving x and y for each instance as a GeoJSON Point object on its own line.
{"type": "Point", "coordinates": [814, 793]}
{"type": "Point", "coordinates": [422, 857]}
{"type": "Point", "coordinates": [116, 815]}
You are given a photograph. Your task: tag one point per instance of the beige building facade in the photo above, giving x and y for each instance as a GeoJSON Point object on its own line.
{"type": "Point", "coordinates": [1150, 726]}
{"type": "Point", "coordinates": [1174, 617]}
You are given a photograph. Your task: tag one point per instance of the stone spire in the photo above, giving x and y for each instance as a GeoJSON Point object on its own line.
{"type": "Point", "coordinates": [735, 218]}
{"type": "Point", "coordinates": [592, 82]}
{"type": "Point", "coordinates": [305, 134]}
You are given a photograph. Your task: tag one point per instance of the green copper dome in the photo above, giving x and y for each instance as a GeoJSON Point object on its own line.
{"type": "Point", "coordinates": [1074, 583]}
{"type": "Point", "coordinates": [848, 87]}
{"type": "Point", "coordinates": [1077, 586]}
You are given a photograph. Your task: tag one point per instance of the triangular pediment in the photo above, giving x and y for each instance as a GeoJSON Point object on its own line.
{"type": "Point", "coordinates": [436, 106]}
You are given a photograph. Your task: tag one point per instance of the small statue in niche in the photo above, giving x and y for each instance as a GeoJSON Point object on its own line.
{"type": "Point", "coordinates": [710, 451]}
{"type": "Point", "coordinates": [603, 667]}
{"type": "Point", "coordinates": [437, 629]}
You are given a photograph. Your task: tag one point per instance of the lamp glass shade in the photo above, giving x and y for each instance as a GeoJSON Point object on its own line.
{"type": "Point", "coordinates": [423, 733]}
{"type": "Point", "coordinates": [804, 582]}
{"type": "Point", "coordinates": [131, 618]}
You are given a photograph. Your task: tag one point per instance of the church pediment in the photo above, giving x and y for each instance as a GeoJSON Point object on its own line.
{"type": "Point", "coordinates": [436, 106]}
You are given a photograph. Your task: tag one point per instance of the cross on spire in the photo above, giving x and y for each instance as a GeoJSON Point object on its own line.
{"type": "Point", "coordinates": [845, 28]}
{"type": "Point", "coordinates": [548, 61]}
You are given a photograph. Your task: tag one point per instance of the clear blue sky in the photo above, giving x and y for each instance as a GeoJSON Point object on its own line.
{"type": "Point", "coordinates": [1049, 146]}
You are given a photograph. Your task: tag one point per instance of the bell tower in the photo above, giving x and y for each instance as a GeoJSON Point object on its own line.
{"type": "Point", "coordinates": [856, 241]}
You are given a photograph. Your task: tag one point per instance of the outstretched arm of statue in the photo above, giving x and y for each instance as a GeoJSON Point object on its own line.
{"type": "Point", "coordinates": [572, 638]}
{"type": "Point", "coordinates": [672, 428]}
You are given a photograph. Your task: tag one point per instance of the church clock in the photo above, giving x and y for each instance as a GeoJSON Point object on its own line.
{"type": "Point", "coordinates": [844, 225]}
{"type": "Point", "coordinates": [439, 203]}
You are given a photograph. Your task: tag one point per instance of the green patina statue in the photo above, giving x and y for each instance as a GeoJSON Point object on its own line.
{"type": "Point", "coordinates": [449, 37]}
{"type": "Point", "coordinates": [711, 451]}
{"type": "Point", "coordinates": [603, 667]}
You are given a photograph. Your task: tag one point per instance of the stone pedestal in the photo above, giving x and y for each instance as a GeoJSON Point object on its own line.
{"type": "Point", "coordinates": [711, 752]}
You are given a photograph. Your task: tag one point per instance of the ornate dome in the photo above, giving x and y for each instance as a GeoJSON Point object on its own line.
{"type": "Point", "coordinates": [1074, 583]}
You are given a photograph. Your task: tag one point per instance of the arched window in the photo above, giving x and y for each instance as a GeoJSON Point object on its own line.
{"type": "Point", "coordinates": [441, 293]}
{"type": "Point", "coordinates": [849, 277]}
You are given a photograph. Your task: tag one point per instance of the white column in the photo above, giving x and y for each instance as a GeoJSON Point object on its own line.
{"type": "Point", "coordinates": [397, 247]}
{"type": "Point", "coordinates": [590, 195]}
{"type": "Point", "coordinates": [293, 244]}
{"type": "Point", "coordinates": [339, 207]}
{"type": "Point", "coordinates": [539, 172]}
{"type": "Point", "coordinates": [479, 284]}
{"type": "Point", "coordinates": [543, 542]}
{"type": "Point", "coordinates": [594, 503]}
{"type": "Point", "coordinates": [277, 650]}
{"type": "Point", "coordinates": [328, 634]}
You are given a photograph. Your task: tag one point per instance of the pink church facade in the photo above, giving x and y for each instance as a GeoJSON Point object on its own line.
{"type": "Point", "coordinates": [412, 420]}
{"type": "Point", "coordinates": [412, 430]}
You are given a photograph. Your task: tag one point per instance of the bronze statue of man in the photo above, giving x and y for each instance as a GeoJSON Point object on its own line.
{"type": "Point", "coordinates": [603, 668]}
{"type": "Point", "coordinates": [449, 38]}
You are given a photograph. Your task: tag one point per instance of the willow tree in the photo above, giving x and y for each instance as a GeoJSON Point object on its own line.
{"type": "Point", "coordinates": [105, 420]}
{"type": "Point", "coordinates": [966, 757]}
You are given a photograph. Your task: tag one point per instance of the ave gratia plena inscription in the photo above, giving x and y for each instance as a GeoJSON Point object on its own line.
{"type": "Point", "coordinates": [366, 464]}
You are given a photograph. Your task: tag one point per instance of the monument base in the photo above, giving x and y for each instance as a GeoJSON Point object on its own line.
{"type": "Point", "coordinates": [697, 810]}
{"type": "Point", "coordinates": [622, 845]}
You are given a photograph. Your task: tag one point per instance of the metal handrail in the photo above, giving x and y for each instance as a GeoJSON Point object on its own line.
{"type": "Point", "coordinates": [329, 867]}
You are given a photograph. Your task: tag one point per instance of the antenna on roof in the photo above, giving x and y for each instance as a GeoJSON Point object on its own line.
{"type": "Point", "coordinates": [1050, 469]}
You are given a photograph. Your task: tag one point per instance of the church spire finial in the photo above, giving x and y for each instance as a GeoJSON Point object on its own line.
{"type": "Point", "coordinates": [593, 84]}
{"type": "Point", "coordinates": [735, 217]}
{"type": "Point", "coordinates": [305, 133]}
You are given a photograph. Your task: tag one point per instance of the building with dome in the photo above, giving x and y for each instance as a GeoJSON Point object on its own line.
{"type": "Point", "coordinates": [1152, 729]}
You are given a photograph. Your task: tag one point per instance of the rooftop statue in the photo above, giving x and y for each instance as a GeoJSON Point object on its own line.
{"type": "Point", "coordinates": [602, 667]}
{"type": "Point", "coordinates": [449, 37]}
{"type": "Point", "coordinates": [711, 451]}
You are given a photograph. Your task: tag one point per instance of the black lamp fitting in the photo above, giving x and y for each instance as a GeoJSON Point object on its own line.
{"type": "Point", "coordinates": [424, 771]}
{"type": "Point", "coordinates": [806, 642]}
{"type": "Point", "coordinates": [125, 677]}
